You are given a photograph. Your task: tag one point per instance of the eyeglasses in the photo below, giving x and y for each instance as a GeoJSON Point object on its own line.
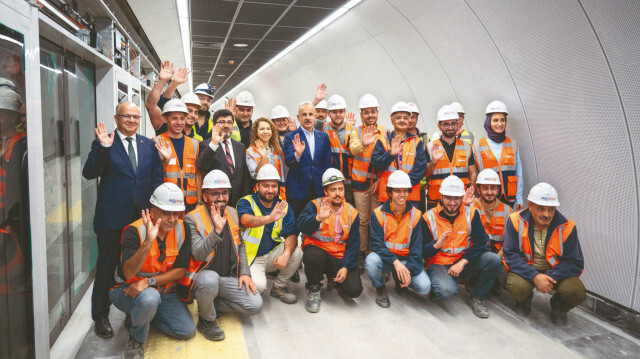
{"type": "Point", "coordinates": [163, 247]}
{"type": "Point", "coordinates": [219, 194]}
{"type": "Point", "coordinates": [129, 117]}
{"type": "Point", "coordinates": [204, 98]}
{"type": "Point", "coordinates": [449, 124]}
{"type": "Point", "coordinates": [228, 123]}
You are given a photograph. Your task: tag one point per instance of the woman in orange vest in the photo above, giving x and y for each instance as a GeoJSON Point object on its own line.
{"type": "Point", "coordinates": [500, 153]}
{"type": "Point", "coordinates": [265, 148]}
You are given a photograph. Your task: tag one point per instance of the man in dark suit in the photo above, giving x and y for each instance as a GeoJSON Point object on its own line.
{"type": "Point", "coordinates": [307, 152]}
{"type": "Point", "coordinates": [129, 169]}
{"type": "Point", "coordinates": [223, 153]}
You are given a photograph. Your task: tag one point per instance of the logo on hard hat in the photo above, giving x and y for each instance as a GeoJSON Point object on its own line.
{"type": "Point", "coordinates": [547, 198]}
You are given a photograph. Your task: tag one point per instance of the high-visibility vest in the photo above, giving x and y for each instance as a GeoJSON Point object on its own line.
{"type": "Point", "coordinates": [467, 137]}
{"type": "Point", "coordinates": [204, 226]}
{"type": "Point", "coordinates": [253, 236]}
{"type": "Point", "coordinates": [506, 168]}
{"type": "Point", "coordinates": [397, 235]}
{"type": "Point", "coordinates": [362, 170]}
{"type": "Point", "coordinates": [460, 238]}
{"type": "Point", "coordinates": [495, 227]}
{"type": "Point", "coordinates": [209, 129]}
{"type": "Point", "coordinates": [152, 266]}
{"type": "Point", "coordinates": [186, 174]}
{"type": "Point", "coordinates": [324, 237]}
{"type": "Point", "coordinates": [458, 166]}
{"type": "Point", "coordinates": [555, 246]}
{"type": "Point", "coordinates": [7, 158]}
{"type": "Point", "coordinates": [409, 148]}
{"type": "Point", "coordinates": [279, 165]}
{"type": "Point", "coordinates": [235, 133]}
{"type": "Point", "coordinates": [11, 268]}
{"type": "Point", "coordinates": [338, 151]}
{"type": "Point", "coordinates": [195, 135]}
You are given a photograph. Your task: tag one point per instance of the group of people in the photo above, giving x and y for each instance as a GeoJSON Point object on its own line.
{"type": "Point", "coordinates": [218, 203]}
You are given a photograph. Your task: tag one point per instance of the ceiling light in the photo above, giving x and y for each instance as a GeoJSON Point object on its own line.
{"type": "Point", "coordinates": [240, 45]}
{"type": "Point", "coordinates": [220, 75]}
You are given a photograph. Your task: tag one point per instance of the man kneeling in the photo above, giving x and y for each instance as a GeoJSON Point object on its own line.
{"type": "Point", "coordinates": [218, 268]}
{"type": "Point", "coordinates": [330, 246]}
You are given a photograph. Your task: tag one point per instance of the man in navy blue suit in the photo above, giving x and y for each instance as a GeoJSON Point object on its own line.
{"type": "Point", "coordinates": [307, 152]}
{"type": "Point", "coordinates": [129, 169]}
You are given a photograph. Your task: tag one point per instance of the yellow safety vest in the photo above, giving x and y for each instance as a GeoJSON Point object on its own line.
{"type": "Point", "coordinates": [253, 236]}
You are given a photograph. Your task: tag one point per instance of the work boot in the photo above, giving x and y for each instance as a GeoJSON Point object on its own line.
{"type": "Point", "coordinates": [524, 308]}
{"type": "Point", "coordinates": [479, 308]}
{"type": "Point", "coordinates": [134, 349]}
{"type": "Point", "coordinates": [403, 292]}
{"type": "Point", "coordinates": [283, 294]}
{"type": "Point", "coordinates": [127, 321]}
{"type": "Point", "coordinates": [295, 278]}
{"type": "Point", "coordinates": [361, 258]}
{"type": "Point", "coordinates": [558, 317]}
{"type": "Point", "coordinates": [210, 330]}
{"type": "Point", "coordinates": [102, 326]}
{"type": "Point", "coordinates": [313, 299]}
{"type": "Point", "coordinates": [332, 288]}
{"type": "Point", "coordinates": [496, 289]}
{"type": "Point", "coordinates": [382, 297]}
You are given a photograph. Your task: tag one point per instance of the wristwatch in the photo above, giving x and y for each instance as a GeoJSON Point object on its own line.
{"type": "Point", "coordinates": [152, 282]}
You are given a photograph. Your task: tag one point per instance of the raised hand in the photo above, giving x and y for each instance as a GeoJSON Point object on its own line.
{"type": "Point", "coordinates": [324, 211]}
{"type": "Point", "coordinates": [261, 150]}
{"type": "Point", "coordinates": [369, 135]}
{"type": "Point", "coordinates": [396, 145]}
{"type": "Point", "coordinates": [181, 76]}
{"type": "Point", "coordinates": [219, 221]}
{"type": "Point", "coordinates": [166, 71]}
{"type": "Point", "coordinates": [437, 152]}
{"type": "Point", "coordinates": [351, 118]}
{"type": "Point", "coordinates": [291, 124]}
{"type": "Point", "coordinates": [230, 105]}
{"type": "Point", "coordinates": [321, 93]}
{"type": "Point", "coordinates": [106, 139]}
{"type": "Point", "coordinates": [298, 145]}
{"type": "Point", "coordinates": [152, 229]}
{"type": "Point", "coordinates": [278, 211]}
{"type": "Point", "coordinates": [442, 238]}
{"type": "Point", "coordinates": [163, 148]}
{"type": "Point", "coordinates": [216, 135]}
{"type": "Point", "coordinates": [469, 196]}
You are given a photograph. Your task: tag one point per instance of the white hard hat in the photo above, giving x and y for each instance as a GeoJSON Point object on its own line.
{"type": "Point", "coordinates": [452, 186]}
{"type": "Point", "coordinates": [399, 179]}
{"type": "Point", "coordinates": [168, 197]}
{"type": "Point", "coordinates": [245, 98]}
{"type": "Point", "coordinates": [331, 175]}
{"type": "Point", "coordinates": [488, 176]}
{"type": "Point", "coordinates": [368, 100]}
{"type": "Point", "coordinates": [544, 194]}
{"type": "Point", "coordinates": [458, 106]}
{"type": "Point", "coordinates": [216, 179]}
{"type": "Point", "coordinates": [496, 106]}
{"type": "Point", "coordinates": [322, 105]}
{"type": "Point", "coordinates": [336, 102]}
{"type": "Point", "coordinates": [279, 112]}
{"type": "Point", "coordinates": [413, 107]}
{"type": "Point", "coordinates": [268, 172]}
{"type": "Point", "coordinates": [400, 107]}
{"type": "Point", "coordinates": [191, 99]}
{"type": "Point", "coordinates": [447, 112]}
{"type": "Point", "coordinates": [9, 97]}
{"type": "Point", "coordinates": [174, 105]}
{"type": "Point", "coordinates": [204, 89]}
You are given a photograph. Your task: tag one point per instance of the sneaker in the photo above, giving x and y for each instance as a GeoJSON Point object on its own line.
{"type": "Point", "coordinates": [361, 258]}
{"type": "Point", "coordinates": [558, 317]}
{"type": "Point", "coordinates": [295, 278]}
{"type": "Point", "coordinates": [127, 321]}
{"type": "Point", "coordinates": [382, 297]}
{"type": "Point", "coordinates": [524, 308]}
{"type": "Point", "coordinates": [134, 349]}
{"type": "Point", "coordinates": [479, 308]}
{"type": "Point", "coordinates": [283, 294]}
{"type": "Point", "coordinates": [313, 299]}
{"type": "Point", "coordinates": [210, 330]}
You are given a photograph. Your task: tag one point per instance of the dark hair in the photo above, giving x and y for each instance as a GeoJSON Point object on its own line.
{"type": "Point", "coordinates": [389, 191]}
{"type": "Point", "coordinates": [220, 113]}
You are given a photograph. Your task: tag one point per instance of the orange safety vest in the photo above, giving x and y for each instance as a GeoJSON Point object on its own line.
{"type": "Point", "coordinates": [204, 226]}
{"type": "Point", "coordinates": [360, 170]}
{"type": "Point", "coordinates": [253, 153]}
{"type": "Point", "coordinates": [506, 168]}
{"type": "Point", "coordinates": [495, 227]}
{"type": "Point", "coordinates": [397, 235]}
{"type": "Point", "coordinates": [460, 238]}
{"type": "Point", "coordinates": [324, 237]}
{"type": "Point", "coordinates": [458, 166]}
{"type": "Point", "coordinates": [152, 266]}
{"type": "Point", "coordinates": [408, 159]}
{"type": "Point", "coordinates": [338, 150]}
{"type": "Point", "coordinates": [11, 267]}
{"type": "Point", "coordinates": [187, 174]}
{"type": "Point", "coordinates": [7, 157]}
{"type": "Point", "coordinates": [555, 247]}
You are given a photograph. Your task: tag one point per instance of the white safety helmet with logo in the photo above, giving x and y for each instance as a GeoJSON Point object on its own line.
{"type": "Point", "coordinates": [496, 106]}
{"type": "Point", "coordinates": [458, 107]}
{"type": "Point", "coordinates": [268, 172]}
{"type": "Point", "coordinates": [336, 102]}
{"type": "Point", "coordinates": [399, 179]}
{"type": "Point", "coordinates": [447, 112]}
{"type": "Point", "coordinates": [367, 101]}
{"type": "Point", "coordinates": [413, 107]}
{"type": "Point", "coordinates": [322, 105]}
{"type": "Point", "coordinates": [204, 89]}
{"type": "Point", "coordinates": [543, 194]}
{"type": "Point", "coordinates": [488, 176]}
{"type": "Point", "coordinates": [400, 107]}
{"type": "Point", "coordinates": [452, 186]}
{"type": "Point", "coordinates": [331, 175]}
{"type": "Point", "coordinates": [245, 98]}
{"type": "Point", "coordinates": [174, 105]}
{"type": "Point", "coordinates": [279, 112]}
{"type": "Point", "coordinates": [216, 179]}
{"type": "Point", "coordinates": [9, 97]}
{"type": "Point", "coordinates": [168, 197]}
{"type": "Point", "coordinates": [191, 99]}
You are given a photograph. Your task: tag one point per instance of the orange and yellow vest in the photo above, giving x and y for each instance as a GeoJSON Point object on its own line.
{"type": "Point", "coordinates": [339, 151]}
{"type": "Point", "coordinates": [458, 166]}
{"type": "Point", "coordinates": [324, 237]}
{"type": "Point", "coordinates": [397, 234]}
{"type": "Point", "coordinates": [186, 174]}
{"type": "Point", "coordinates": [362, 171]}
{"type": "Point", "coordinates": [506, 168]}
{"type": "Point", "coordinates": [460, 238]}
{"type": "Point", "coordinates": [408, 159]}
{"type": "Point", "coordinates": [495, 227]}
{"type": "Point", "coordinates": [279, 165]}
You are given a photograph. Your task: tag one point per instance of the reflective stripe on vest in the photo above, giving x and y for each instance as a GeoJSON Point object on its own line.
{"type": "Point", "coordinates": [235, 133]}
{"type": "Point", "coordinates": [454, 246]}
{"type": "Point", "coordinates": [338, 149]}
{"type": "Point", "coordinates": [362, 170]}
{"type": "Point", "coordinates": [555, 246]}
{"type": "Point", "coordinates": [186, 174]}
{"type": "Point", "coordinates": [467, 136]}
{"type": "Point", "coordinates": [253, 236]}
{"type": "Point", "coordinates": [506, 167]}
{"type": "Point", "coordinates": [459, 166]}
{"type": "Point", "coordinates": [396, 237]}
{"type": "Point", "coordinates": [495, 227]}
{"type": "Point", "coordinates": [324, 236]}
{"type": "Point", "coordinates": [409, 148]}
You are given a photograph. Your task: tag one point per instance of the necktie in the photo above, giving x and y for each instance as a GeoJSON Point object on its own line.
{"type": "Point", "coordinates": [229, 159]}
{"type": "Point", "coordinates": [132, 154]}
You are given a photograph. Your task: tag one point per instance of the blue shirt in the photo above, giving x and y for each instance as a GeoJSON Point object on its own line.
{"type": "Point", "coordinates": [178, 146]}
{"type": "Point", "coordinates": [311, 142]}
{"type": "Point", "coordinates": [267, 244]}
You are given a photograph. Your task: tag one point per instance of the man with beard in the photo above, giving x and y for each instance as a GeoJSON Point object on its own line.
{"type": "Point", "coordinates": [461, 132]}
{"type": "Point", "coordinates": [332, 241]}
{"type": "Point", "coordinates": [193, 106]}
{"type": "Point", "coordinates": [339, 132]}
{"type": "Point", "coordinates": [218, 268]}
{"type": "Point", "coordinates": [267, 220]}
{"type": "Point", "coordinates": [242, 109]}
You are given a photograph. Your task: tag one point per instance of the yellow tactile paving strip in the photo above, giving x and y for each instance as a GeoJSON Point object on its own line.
{"type": "Point", "coordinates": [233, 346]}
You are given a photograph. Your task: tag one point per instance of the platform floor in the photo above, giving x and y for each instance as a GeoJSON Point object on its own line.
{"type": "Point", "coordinates": [412, 326]}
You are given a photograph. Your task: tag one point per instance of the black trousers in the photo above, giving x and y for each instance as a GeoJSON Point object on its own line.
{"type": "Point", "coordinates": [318, 262]}
{"type": "Point", "coordinates": [109, 250]}
{"type": "Point", "coordinates": [297, 205]}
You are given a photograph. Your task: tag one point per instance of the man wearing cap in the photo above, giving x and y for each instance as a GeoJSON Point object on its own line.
{"type": "Point", "coordinates": [400, 150]}
{"type": "Point", "coordinates": [541, 250]}
{"type": "Point", "coordinates": [331, 241]}
{"type": "Point", "coordinates": [320, 106]}
{"type": "Point", "coordinates": [396, 242]}
{"type": "Point", "coordinates": [218, 269]}
{"type": "Point", "coordinates": [456, 246]}
{"type": "Point", "coordinates": [339, 132]}
{"type": "Point", "coordinates": [129, 169]}
{"type": "Point", "coordinates": [364, 181]}
{"type": "Point", "coordinates": [458, 156]}
{"type": "Point", "coordinates": [242, 109]}
{"type": "Point", "coordinates": [155, 255]}
{"type": "Point", "coordinates": [270, 235]}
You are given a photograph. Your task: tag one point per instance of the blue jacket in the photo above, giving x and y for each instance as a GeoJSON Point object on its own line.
{"type": "Point", "coordinates": [120, 187]}
{"type": "Point", "coordinates": [306, 172]}
{"type": "Point", "coordinates": [376, 240]}
{"type": "Point", "coordinates": [381, 159]}
{"type": "Point", "coordinates": [571, 263]}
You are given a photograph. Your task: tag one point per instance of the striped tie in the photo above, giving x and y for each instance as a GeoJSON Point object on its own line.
{"type": "Point", "coordinates": [229, 159]}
